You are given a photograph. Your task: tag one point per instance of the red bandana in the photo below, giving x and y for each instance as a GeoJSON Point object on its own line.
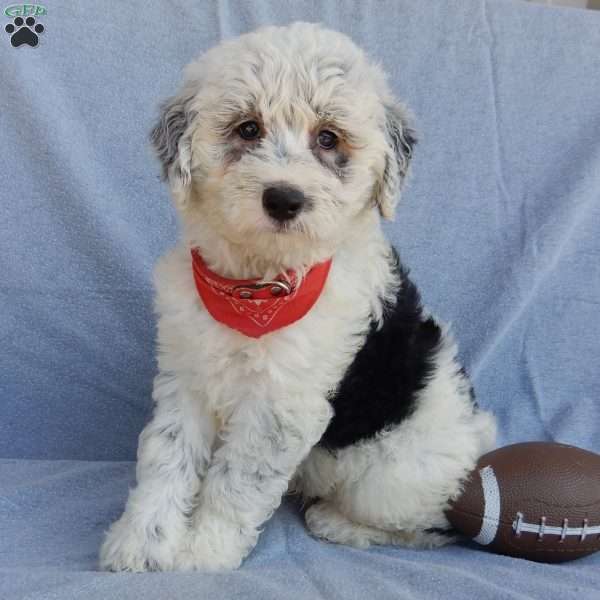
{"type": "Point", "coordinates": [253, 306]}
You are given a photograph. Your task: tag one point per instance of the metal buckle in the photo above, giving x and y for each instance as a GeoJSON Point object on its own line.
{"type": "Point", "coordinates": [278, 288]}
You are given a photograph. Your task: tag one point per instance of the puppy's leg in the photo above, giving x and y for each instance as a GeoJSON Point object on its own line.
{"type": "Point", "coordinates": [173, 452]}
{"type": "Point", "coordinates": [263, 443]}
{"type": "Point", "coordinates": [325, 521]}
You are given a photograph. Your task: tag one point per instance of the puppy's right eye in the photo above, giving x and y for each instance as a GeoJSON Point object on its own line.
{"type": "Point", "coordinates": [249, 130]}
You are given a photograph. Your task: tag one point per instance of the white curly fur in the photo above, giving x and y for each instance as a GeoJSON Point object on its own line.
{"type": "Point", "coordinates": [237, 419]}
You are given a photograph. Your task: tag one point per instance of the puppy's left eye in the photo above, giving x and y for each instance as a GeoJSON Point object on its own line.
{"type": "Point", "coordinates": [327, 139]}
{"type": "Point", "coordinates": [249, 130]}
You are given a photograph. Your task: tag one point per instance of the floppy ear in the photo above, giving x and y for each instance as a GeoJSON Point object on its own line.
{"type": "Point", "coordinates": [172, 141]}
{"type": "Point", "coordinates": [400, 139]}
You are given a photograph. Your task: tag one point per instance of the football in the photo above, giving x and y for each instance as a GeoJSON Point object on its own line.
{"type": "Point", "coordinates": [535, 500]}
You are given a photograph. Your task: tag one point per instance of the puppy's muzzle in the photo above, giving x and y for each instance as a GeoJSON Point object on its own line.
{"type": "Point", "coordinates": [283, 202]}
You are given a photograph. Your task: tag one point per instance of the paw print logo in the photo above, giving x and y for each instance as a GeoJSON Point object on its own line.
{"type": "Point", "coordinates": [24, 32]}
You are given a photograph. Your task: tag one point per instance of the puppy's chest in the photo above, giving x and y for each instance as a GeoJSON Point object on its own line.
{"type": "Point", "coordinates": [312, 354]}
{"type": "Point", "coordinates": [306, 358]}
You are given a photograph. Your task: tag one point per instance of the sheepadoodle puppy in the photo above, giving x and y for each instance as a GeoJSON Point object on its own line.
{"type": "Point", "coordinates": [293, 350]}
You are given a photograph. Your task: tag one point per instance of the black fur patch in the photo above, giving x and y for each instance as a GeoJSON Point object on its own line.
{"type": "Point", "coordinates": [379, 388]}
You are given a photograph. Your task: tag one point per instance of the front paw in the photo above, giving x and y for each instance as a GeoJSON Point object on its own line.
{"type": "Point", "coordinates": [215, 545]}
{"type": "Point", "coordinates": [130, 548]}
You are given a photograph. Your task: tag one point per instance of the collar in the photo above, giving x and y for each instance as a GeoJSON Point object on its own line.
{"type": "Point", "coordinates": [254, 306]}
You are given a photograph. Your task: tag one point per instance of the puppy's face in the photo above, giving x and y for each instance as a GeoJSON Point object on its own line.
{"type": "Point", "coordinates": [282, 139]}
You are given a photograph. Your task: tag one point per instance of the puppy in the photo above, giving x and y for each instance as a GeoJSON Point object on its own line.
{"type": "Point", "coordinates": [293, 350]}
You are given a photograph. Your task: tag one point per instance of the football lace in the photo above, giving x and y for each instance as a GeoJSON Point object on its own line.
{"type": "Point", "coordinates": [521, 526]}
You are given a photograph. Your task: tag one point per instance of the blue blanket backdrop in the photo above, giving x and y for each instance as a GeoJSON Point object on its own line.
{"type": "Point", "coordinates": [500, 224]}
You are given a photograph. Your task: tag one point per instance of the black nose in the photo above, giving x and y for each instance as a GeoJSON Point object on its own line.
{"type": "Point", "coordinates": [283, 203]}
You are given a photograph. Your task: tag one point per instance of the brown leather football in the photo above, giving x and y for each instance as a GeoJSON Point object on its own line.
{"type": "Point", "coordinates": [534, 500]}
